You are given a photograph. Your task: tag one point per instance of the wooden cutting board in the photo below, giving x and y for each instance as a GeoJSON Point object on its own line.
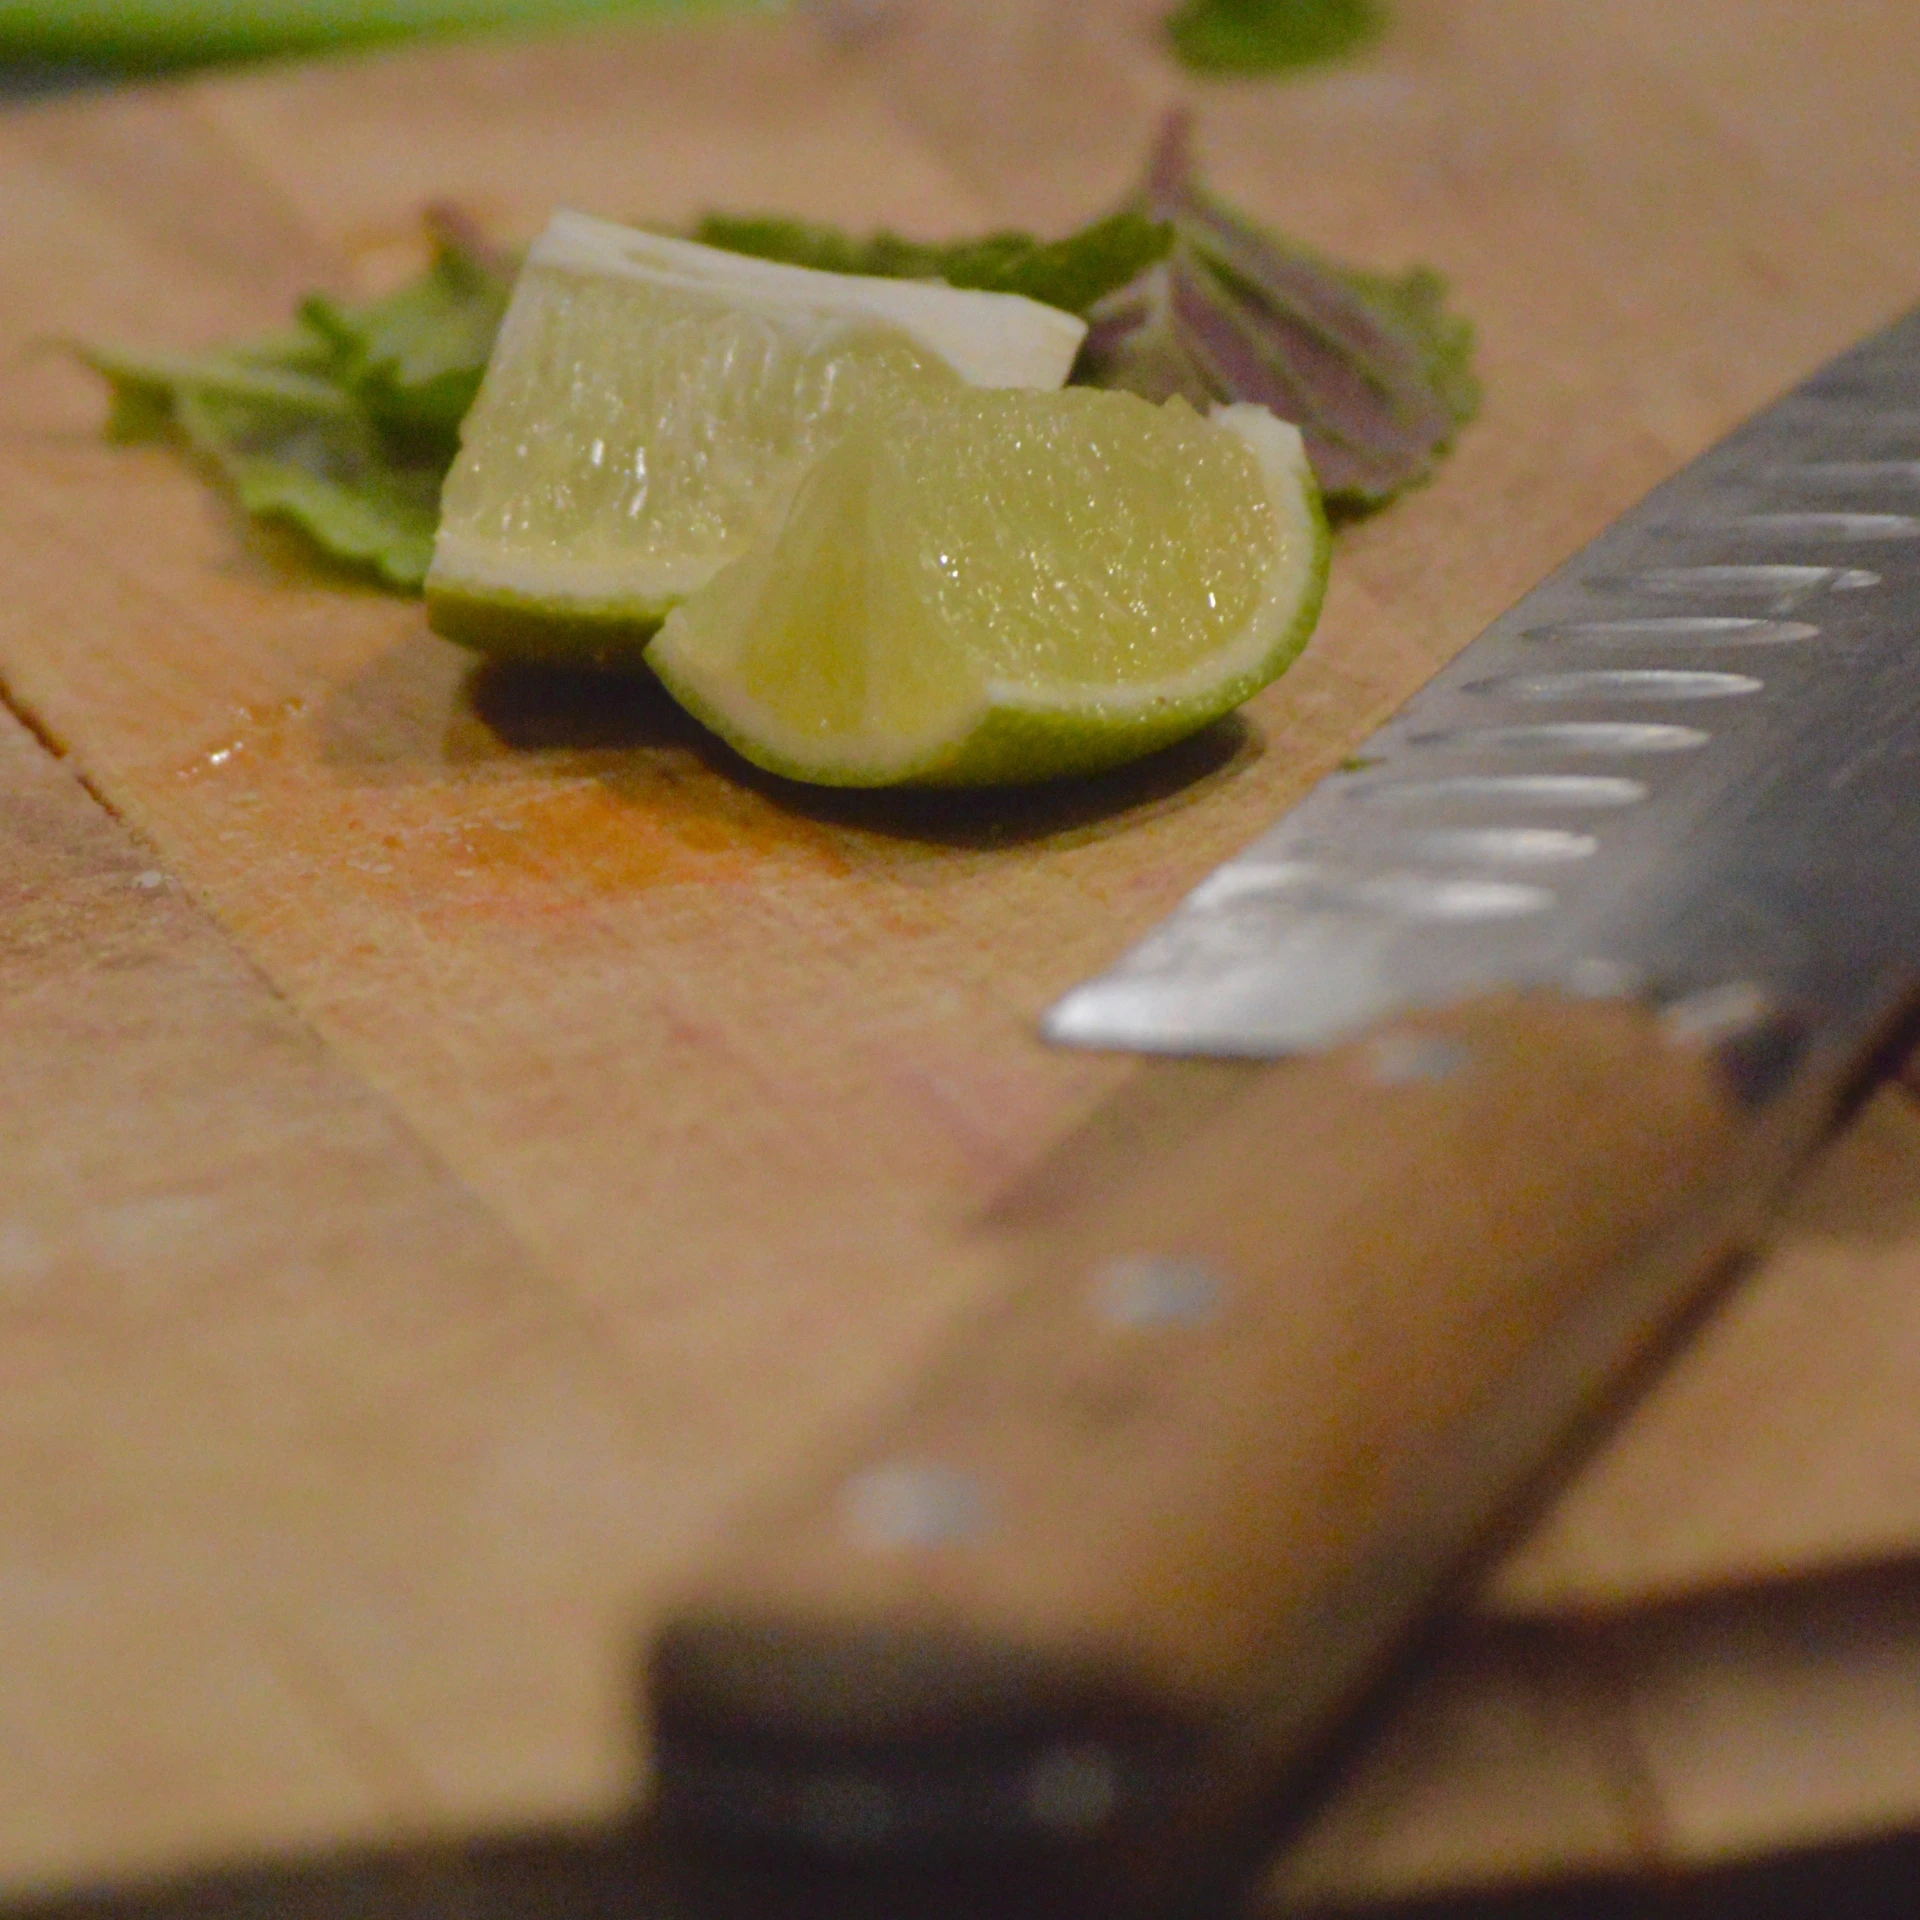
{"type": "Point", "coordinates": [463, 1132]}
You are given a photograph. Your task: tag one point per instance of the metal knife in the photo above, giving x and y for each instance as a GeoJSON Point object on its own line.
{"type": "Point", "coordinates": [1533, 1007]}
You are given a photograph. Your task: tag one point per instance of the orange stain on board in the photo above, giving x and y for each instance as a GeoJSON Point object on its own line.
{"type": "Point", "coordinates": [516, 831]}
{"type": "Point", "coordinates": [683, 826]}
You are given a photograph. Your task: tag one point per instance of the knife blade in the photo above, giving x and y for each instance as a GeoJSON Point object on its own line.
{"type": "Point", "coordinates": [1530, 1011]}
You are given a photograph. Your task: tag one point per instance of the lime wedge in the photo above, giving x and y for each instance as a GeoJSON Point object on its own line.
{"type": "Point", "coordinates": [977, 587]}
{"type": "Point", "coordinates": [648, 409]}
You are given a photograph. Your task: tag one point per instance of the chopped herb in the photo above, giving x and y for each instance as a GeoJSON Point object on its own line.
{"type": "Point", "coordinates": [1267, 36]}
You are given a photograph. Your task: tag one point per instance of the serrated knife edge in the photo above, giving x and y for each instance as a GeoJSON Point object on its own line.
{"type": "Point", "coordinates": [1649, 690]}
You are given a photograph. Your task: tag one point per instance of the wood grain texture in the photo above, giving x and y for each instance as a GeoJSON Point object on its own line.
{"type": "Point", "coordinates": [689, 1082]}
{"type": "Point", "coordinates": [1627, 1746]}
{"type": "Point", "coordinates": [283, 1404]}
{"type": "Point", "coordinates": [1796, 1418]}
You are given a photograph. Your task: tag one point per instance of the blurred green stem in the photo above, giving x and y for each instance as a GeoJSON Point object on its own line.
{"type": "Point", "coordinates": [1268, 36]}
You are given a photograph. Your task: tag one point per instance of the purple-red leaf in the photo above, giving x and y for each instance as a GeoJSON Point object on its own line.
{"type": "Point", "coordinates": [1373, 371]}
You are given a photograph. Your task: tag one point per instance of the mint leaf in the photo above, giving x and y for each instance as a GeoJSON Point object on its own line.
{"type": "Point", "coordinates": [383, 522]}
{"type": "Point", "coordinates": [272, 372]}
{"type": "Point", "coordinates": [1417, 300]}
{"type": "Point", "coordinates": [1071, 273]}
{"type": "Point", "coordinates": [807, 243]}
{"type": "Point", "coordinates": [1268, 36]}
{"type": "Point", "coordinates": [290, 446]}
{"type": "Point", "coordinates": [322, 469]}
{"type": "Point", "coordinates": [344, 426]}
{"type": "Point", "coordinates": [414, 360]}
{"type": "Point", "coordinates": [1372, 368]}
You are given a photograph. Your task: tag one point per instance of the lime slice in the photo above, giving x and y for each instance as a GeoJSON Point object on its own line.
{"type": "Point", "coordinates": [979, 587]}
{"type": "Point", "coordinates": [648, 409]}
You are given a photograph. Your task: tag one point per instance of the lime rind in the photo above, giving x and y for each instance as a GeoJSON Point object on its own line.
{"type": "Point", "coordinates": [607, 638]}
{"type": "Point", "coordinates": [1016, 732]}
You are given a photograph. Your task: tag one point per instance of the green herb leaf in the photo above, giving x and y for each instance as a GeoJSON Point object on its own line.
{"type": "Point", "coordinates": [146, 383]}
{"type": "Point", "coordinates": [1071, 274]}
{"type": "Point", "coordinates": [321, 468]}
{"type": "Point", "coordinates": [1418, 300]}
{"type": "Point", "coordinates": [1267, 36]}
{"type": "Point", "coordinates": [809, 243]}
{"type": "Point", "coordinates": [345, 426]}
{"type": "Point", "coordinates": [1077, 272]}
{"type": "Point", "coordinates": [414, 360]}
{"type": "Point", "coordinates": [1374, 371]}
{"type": "Point", "coordinates": [382, 521]}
